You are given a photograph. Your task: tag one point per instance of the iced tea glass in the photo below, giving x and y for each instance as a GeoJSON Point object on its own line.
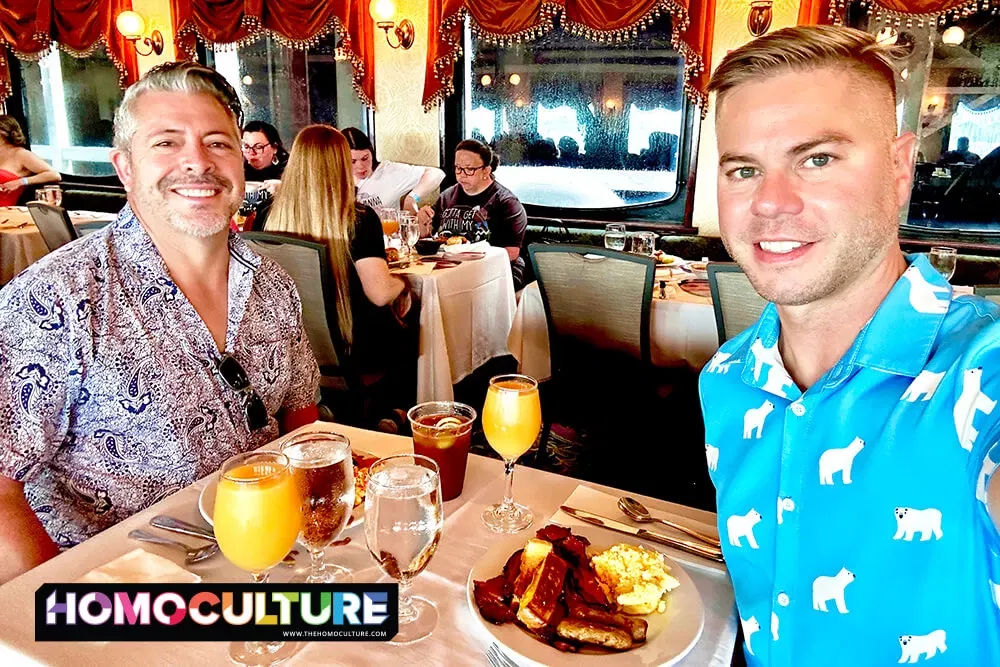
{"type": "Point", "coordinates": [442, 431]}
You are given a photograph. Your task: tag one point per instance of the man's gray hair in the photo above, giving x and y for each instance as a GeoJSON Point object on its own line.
{"type": "Point", "coordinates": [179, 77]}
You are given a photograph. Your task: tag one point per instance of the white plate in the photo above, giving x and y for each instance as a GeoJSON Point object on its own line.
{"type": "Point", "coordinates": [670, 636]}
{"type": "Point", "coordinates": [677, 262]}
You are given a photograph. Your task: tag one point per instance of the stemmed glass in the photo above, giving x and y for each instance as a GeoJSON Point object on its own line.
{"type": "Point", "coordinates": [323, 471]}
{"type": "Point", "coordinates": [257, 519]}
{"type": "Point", "coordinates": [512, 418]}
{"type": "Point", "coordinates": [403, 519]}
{"type": "Point", "coordinates": [944, 259]}
{"type": "Point", "coordinates": [390, 224]}
{"type": "Point", "coordinates": [409, 233]}
{"type": "Point", "coordinates": [614, 236]}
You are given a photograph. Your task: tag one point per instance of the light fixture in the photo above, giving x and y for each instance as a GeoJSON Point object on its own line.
{"type": "Point", "coordinates": [611, 104]}
{"type": "Point", "coordinates": [519, 102]}
{"type": "Point", "coordinates": [486, 80]}
{"type": "Point", "coordinates": [886, 36]}
{"type": "Point", "coordinates": [382, 12]}
{"type": "Point", "coordinates": [515, 79]}
{"type": "Point", "coordinates": [132, 26]}
{"type": "Point", "coordinates": [247, 80]}
{"type": "Point", "coordinates": [953, 35]}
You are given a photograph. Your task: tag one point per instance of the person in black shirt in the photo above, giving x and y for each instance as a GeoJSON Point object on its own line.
{"type": "Point", "coordinates": [479, 208]}
{"type": "Point", "coordinates": [264, 158]}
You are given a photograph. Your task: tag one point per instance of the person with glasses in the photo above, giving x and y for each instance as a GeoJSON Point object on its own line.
{"type": "Point", "coordinates": [264, 158]}
{"type": "Point", "coordinates": [382, 183]}
{"type": "Point", "coordinates": [478, 208]}
{"type": "Point", "coordinates": [137, 359]}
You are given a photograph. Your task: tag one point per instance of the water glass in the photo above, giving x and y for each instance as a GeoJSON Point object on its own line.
{"type": "Point", "coordinates": [403, 520]}
{"type": "Point", "coordinates": [614, 236]}
{"type": "Point", "coordinates": [944, 259]}
{"type": "Point", "coordinates": [643, 243]}
{"type": "Point", "coordinates": [50, 194]}
{"type": "Point", "coordinates": [409, 233]}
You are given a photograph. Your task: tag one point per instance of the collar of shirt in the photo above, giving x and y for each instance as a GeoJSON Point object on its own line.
{"type": "Point", "coordinates": [916, 304]}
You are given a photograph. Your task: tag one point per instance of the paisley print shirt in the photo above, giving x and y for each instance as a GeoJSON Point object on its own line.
{"type": "Point", "coordinates": [109, 398]}
{"type": "Point", "coordinates": [853, 516]}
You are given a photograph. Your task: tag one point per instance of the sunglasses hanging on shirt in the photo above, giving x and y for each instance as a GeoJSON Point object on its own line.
{"type": "Point", "coordinates": [253, 407]}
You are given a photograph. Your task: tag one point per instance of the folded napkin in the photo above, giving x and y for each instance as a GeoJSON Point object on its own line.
{"type": "Point", "coordinates": [479, 246]}
{"type": "Point", "coordinates": [140, 567]}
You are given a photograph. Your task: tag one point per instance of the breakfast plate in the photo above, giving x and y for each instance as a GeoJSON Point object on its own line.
{"type": "Point", "coordinates": [206, 501]}
{"type": "Point", "coordinates": [670, 636]}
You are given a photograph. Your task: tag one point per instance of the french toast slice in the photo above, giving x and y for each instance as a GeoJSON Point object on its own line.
{"type": "Point", "coordinates": [532, 556]}
{"type": "Point", "coordinates": [588, 632]}
{"type": "Point", "coordinates": [541, 598]}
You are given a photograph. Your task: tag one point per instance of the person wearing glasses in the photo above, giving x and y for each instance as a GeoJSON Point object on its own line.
{"type": "Point", "coordinates": [479, 208]}
{"type": "Point", "coordinates": [388, 184]}
{"type": "Point", "coordinates": [264, 158]}
{"type": "Point", "coordinates": [139, 358]}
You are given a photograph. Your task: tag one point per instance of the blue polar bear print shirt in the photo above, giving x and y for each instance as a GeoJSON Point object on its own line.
{"type": "Point", "coordinates": [853, 516]}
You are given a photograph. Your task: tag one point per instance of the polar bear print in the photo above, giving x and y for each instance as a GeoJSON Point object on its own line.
{"type": "Point", "coordinates": [989, 466]}
{"type": "Point", "coordinates": [754, 418]}
{"type": "Point", "coordinates": [832, 588]}
{"type": "Point", "coordinates": [750, 626]}
{"type": "Point", "coordinates": [777, 380]}
{"type": "Point", "coordinates": [784, 505]}
{"type": "Point", "coordinates": [764, 355]}
{"type": "Point", "coordinates": [923, 295]}
{"type": "Point", "coordinates": [774, 626]}
{"type": "Point", "coordinates": [971, 401]}
{"type": "Point", "coordinates": [712, 455]}
{"type": "Point", "coordinates": [720, 363]}
{"type": "Point", "coordinates": [924, 385]}
{"type": "Point", "coordinates": [742, 526]}
{"type": "Point", "coordinates": [910, 521]}
{"type": "Point", "coordinates": [839, 459]}
{"type": "Point", "coordinates": [928, 645]}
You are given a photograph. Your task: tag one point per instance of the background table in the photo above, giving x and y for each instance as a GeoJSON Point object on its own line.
{"type": "Point", "coordinates": [21, 246]}
{"type": "Point", "coordinates": [465, 315]}
{"type": "Point", "coordinates": [682, 330]}
{"type": "Point", "coordinates": [457, 640]}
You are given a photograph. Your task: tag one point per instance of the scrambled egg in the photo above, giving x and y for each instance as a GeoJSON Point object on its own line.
{"type": "Point", "coordinates": [636, 578]}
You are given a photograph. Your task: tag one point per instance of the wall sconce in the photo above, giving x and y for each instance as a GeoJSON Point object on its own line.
{"type": "Point", "coordinates": [486, 81]}
{"type": "Point", "coordinates": [382, 12]}
{"type": "Point", "coordinates": [953, 35]}
{"type": "Point", "coordinates": [515, 79]}
{"type": "Point", "coordinates": [132, 26]}
{"type": "Point", "coordinates": [759, 19]}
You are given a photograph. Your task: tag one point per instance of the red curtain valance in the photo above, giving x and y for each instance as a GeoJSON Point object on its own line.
{"type": "Point", "coordinates": [295, 23]}
{"type": "Point", "coordinates": [79, 27]}
{"type": "Point", "coordinates": [812, 12]}
{"type": "Point", "coordinates": [507, 21]}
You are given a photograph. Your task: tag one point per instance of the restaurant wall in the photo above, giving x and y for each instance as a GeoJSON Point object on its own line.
{"type": "Point", "coordinates": [730, 33]}
{"type": "Point", "coordinates": [402, 130]}
{"type": "Point", "coordinates": [157, 16]}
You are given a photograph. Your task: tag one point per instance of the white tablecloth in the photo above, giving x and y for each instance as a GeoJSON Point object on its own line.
{"type": "Point", "coordinates": [22, 246]}
{"type": "Point", "coordinates": [465, 315]}
{"type": "Point", "coordinates": [682, 331]}
{"type": "Point", "coordinates": [457, 640]}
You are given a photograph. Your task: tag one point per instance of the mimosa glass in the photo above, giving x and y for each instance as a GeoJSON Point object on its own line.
{"type": "Point", "coordinates": [512, 418]}
{"type": "Point", "coordinates": [257, 518]}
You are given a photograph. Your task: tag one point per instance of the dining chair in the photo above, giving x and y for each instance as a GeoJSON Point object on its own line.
{"type": "Point", "coordinates": [737, 304]}
{"type": "Point", "coordinates": [307, 262]}
{"type": "Point", "coordinates": [988, 292]}
{"type": "Point", "coordinates": [85, 228]}
{"type": "Point", "coordinates": [53, 224]}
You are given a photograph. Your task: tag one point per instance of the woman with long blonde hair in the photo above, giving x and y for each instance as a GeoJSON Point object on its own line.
{"type": "Point", "coordinates": [316, 201]}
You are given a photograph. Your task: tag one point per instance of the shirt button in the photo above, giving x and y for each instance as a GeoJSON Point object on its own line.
{"type": "Point", "coordinates": [798, 409]}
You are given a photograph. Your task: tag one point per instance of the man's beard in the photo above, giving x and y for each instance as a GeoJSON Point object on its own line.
{"type": "Point", "coordinates": [198, 224]}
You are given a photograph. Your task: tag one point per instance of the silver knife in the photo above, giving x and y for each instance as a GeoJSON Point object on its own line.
{"type": "Point", "coordinates": [173, 525]}
{"type": "Point", "coordinates": [617, 526]}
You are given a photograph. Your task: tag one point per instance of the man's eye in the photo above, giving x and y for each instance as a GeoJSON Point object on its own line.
{"type": "Point", "coordinates": [743, 173]}
{"type": "Point", "coordinates": [818, 160]}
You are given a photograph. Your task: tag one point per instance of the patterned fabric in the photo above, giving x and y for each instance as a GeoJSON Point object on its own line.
{"type": "Point", "coordinates": [853, 517]}
{"type": "Point", "coordinates": [109, 398]}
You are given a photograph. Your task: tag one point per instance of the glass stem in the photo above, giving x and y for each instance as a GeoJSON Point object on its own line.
{"type": "Point", "coordinates": [316, 564]}
{"type": "Point", "coordinates": [508, 493]}
{"type": "Point", "coordinates": [262, 648]}
{"type": "Point", "coordinates": [407, 612]}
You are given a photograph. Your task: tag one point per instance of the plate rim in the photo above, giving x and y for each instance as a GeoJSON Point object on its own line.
{"type": "Point", "coordinates": [586, 531]}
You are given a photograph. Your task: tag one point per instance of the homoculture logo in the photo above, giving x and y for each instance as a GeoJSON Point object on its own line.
{"type": "Point", "coordinates": [216, 612]}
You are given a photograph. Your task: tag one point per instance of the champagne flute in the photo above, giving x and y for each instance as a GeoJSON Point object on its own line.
{"type": "Point", "coordinates": [323, 470]}
{"type": "Point", "coordinates": [403, 519]}
{"type": "Point", "coordinates": [512, 418]}
{"type": "Point", "coordinates": [390, 225]}
{"type": "Point", "coordinates": [257, 518]}
{"type": "Point", "coordinates": [944, 259]}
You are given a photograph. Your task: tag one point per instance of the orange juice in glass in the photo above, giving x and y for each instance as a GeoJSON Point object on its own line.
{"type": "Point", "coordinates": [257, 519]}
{"type": "Point", "coordinates": [512, 418]}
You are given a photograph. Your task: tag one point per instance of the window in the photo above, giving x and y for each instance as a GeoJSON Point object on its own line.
{"type": "Point", "coordinates": [579, 124]}
{"type": "Point", "coordinates": [70, 107]}
{"type": "Point", "coordinates": [291, 88]}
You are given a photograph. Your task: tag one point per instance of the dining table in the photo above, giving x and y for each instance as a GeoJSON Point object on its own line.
{"type": "Point", "coordinates": [459, 638]}
{"type": "Point", "coordinates": [682, 326]}
{"type": "Point", "coordinates": [21, 244]}
{"type": "Point", "coordinates": [467, 306]}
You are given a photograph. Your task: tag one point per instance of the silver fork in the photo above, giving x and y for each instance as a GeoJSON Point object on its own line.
{"type": "Point", "coordinates": [497, 658]}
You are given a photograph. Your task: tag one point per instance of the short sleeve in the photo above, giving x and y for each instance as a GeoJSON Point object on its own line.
{"type": "Point", "coordinates": [368, 241]}
{"type": "Point", "coordinates": [304, 385]}
{"type": "Point", "coordinates": [39, 373]}
{"type": "Point", "coordinates": [508, 220]}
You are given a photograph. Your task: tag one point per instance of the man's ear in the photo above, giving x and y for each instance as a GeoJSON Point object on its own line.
{"type": "Point", "coordinates": [122, 162]}
{"type": "Point", "coordinates": [904, 158]}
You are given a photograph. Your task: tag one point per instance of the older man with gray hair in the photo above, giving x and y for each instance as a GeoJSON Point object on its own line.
{"type": "Point", "coordinates": [136, 360]}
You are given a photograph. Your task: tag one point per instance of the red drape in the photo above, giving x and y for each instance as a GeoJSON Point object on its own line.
{"type": "Point", "coordinates": [507, 21]}
{"type": "Point", "coordinates": [29, 27]}
{"type": "Point", "coordinates": [813, 12]}
{"type": "Point", "coordinates": [295, 23]}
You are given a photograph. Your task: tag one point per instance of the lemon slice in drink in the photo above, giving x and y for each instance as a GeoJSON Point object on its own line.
{"type": "Point", "coordinates": [448, 421]}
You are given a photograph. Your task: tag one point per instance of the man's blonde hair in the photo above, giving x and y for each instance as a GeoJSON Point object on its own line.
{"type": "Point", "coordinates": [804, 48]}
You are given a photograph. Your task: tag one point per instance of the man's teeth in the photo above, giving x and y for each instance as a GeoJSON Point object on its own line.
{"type": "Point", "coordinates": [195, 193]}
{"type": "Point", "coordinates": [780, 247]}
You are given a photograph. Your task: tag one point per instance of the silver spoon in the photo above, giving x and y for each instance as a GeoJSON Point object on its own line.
{"type": "Point", "coordinates": [638, 513]}
{"type": "Point", "coordinates": [193, 555]}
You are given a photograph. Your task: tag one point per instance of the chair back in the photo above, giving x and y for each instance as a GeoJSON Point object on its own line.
{"type": "Point", "coordinates": [85, 228]}
{"type": "Point", "coordinates": [596, 297]}
{"type": "Point", "coordinates": [737, 304]}
{"type": "Point", "coordinates": [988, 292]}
{"type": "Point", "coordinates": [53, 223]}
{"type": "Point", "coordinates": [308, 263]}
